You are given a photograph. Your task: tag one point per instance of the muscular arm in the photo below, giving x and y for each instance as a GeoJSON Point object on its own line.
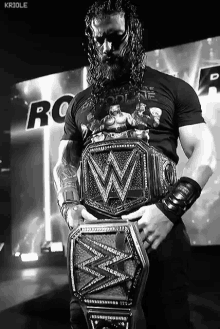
{"type": "Point", "coordinates": [157, 220]}
{"type": "Point", "coordinates": [65, 173]}
{"type": "Point", "coordinates": [198, 145]}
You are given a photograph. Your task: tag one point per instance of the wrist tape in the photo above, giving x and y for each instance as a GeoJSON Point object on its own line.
{"type": "Point", "coordinates": [65, 207]}
{"type": "Point", "coordinates": [67, 198]}
{"type": "Point", "coordinates": [182, 196]}
{"type": "Point", "coordinates": [68, 195]}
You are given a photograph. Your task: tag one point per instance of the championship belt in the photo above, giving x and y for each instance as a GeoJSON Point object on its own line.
{"type": "Point", "coordinates": [122, 174]}
{"type": "Point", "coordinates": [108, 269]}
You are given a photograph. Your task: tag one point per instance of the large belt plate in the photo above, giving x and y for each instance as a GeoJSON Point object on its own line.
{"type": "Point", "coordinates": [108, 268]}
{"type": "Point", "coordinates": [119, 175]}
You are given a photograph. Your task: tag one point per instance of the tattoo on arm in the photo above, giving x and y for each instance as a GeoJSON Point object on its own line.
{"type": "Point", "coordinates": [67, 176]}
{"type": "Point", "coordinates": [65, 172]}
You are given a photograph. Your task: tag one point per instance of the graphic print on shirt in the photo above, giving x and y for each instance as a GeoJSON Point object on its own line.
{"type": "Point", "coordinates": [120, 124]}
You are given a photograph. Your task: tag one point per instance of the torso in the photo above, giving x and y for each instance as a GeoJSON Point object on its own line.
{"type": "Point", "coordinates": [149, 116]}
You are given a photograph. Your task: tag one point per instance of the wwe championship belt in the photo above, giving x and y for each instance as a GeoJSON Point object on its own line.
{"type": "Point", "coordinates": [108, 268]}
{"type": "Point", "coordinates": [120, 175]}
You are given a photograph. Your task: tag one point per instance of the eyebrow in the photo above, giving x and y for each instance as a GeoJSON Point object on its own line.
{"type": "Point", "coordinates": [116, 31]}
{"type": "Point", "coordinates": [108, 32]}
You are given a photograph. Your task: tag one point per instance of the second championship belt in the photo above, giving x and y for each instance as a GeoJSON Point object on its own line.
{"type": "Point", "coordinates": [108, 268]}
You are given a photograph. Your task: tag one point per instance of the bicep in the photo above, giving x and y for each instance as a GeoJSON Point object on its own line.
{"type": "Point", "coordinates": [68, 153]}
{"type": "Point", "coordinates": [195, 135]}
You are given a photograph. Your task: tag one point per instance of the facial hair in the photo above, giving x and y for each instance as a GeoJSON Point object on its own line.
{"type": "Point", "coordinates": [115, 67]}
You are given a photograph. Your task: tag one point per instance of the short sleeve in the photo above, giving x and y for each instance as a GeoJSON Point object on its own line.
{"type": "Point", "coordinates": [188, 107]}
{"type": "Point", "coordinates": [71, 131]}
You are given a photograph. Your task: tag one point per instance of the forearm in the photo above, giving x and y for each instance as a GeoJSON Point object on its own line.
{"type": "Point", "coordinates": [201, 164]}
{"type": "Point", "coordinates": [197, 171]}
{"type": "Point", "coordinates": [66, 183]}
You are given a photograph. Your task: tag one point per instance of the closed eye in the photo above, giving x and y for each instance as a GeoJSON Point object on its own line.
{"type": "Point", "coordinates": [100, 40]}
{"type": "Point", "coordinates": [116, 38]}
{"type": "Point", "coordinates": [113, 38]}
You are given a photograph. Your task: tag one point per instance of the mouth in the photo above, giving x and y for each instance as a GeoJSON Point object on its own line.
{"type": "Point", "coordinates": [110, 60]}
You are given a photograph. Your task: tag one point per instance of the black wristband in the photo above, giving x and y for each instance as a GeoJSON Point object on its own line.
{"type": "Point", "coordinates": [182, 196]}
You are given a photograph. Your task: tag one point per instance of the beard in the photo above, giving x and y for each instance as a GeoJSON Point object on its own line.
{"type": "Point", "coordinates": [114, 67]}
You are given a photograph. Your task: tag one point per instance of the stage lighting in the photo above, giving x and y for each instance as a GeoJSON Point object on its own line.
{"type": "Point", "coordinates": [52, 247]}
{"type": "Point", "coordinates": [56, 247]}
{"type": "Point", "coordinates": [29, 257]}
{"type": "Point", "coordinates": [52, 253]}
{"type": "Point", "coordinates": [1, 245]}
{"type": "Point", "coordinates": [45, 248]}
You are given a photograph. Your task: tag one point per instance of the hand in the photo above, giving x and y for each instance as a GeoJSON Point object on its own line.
{"type": "Point", "coordinates": [76, 215]}
{"type": "Point", "coordinates": [153, 225]}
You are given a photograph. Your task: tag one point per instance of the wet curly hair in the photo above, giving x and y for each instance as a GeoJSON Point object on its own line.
{"type": "Point", "coordinates": [135, 28]}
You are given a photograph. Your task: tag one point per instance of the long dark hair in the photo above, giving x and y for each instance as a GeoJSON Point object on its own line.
{"type": "Point", "coordinates": [134, 26]}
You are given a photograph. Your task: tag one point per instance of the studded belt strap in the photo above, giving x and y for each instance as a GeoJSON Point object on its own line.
{"type": "Point", "coordinates": [120, 175]}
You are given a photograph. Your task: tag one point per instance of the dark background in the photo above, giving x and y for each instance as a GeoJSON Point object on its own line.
{"type": "Point", "coordinates": [46, 39]}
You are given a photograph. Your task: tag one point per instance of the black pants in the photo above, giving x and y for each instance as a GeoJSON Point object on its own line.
{"type": "Point", "coordinates": [165, 301]}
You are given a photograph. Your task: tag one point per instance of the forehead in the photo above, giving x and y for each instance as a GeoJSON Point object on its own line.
{"type": "Point", "coordinates": [114, 22]}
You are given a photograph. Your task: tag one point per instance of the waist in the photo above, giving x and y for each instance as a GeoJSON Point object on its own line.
{"type": "Point", "coordinates": [120, 175]}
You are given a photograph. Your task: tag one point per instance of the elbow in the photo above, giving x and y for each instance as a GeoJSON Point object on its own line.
{"type": "Point", "coordinates": [210, 157]}
{"type": "Point", "coordinates": [55, 169]}
{"type": "Point", "coordinates": [213, 163]}
{"type": "Point", "coordinates": [213, 159]}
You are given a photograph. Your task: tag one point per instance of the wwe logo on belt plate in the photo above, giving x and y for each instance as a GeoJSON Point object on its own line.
{"type": "Point", "coordinates": [103, 259]}
{"type": "Point", "coordinates": [114, 177]}
{"type": "Point", "coordinates": [101, 176]}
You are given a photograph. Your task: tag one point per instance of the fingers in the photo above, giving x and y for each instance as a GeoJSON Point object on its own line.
{"type": "Point", "coordinates": [86, 215]}
{"type": "Point", "coordinates": [146, 233]}
{"type": "Point", "coordinates": [153, 246]}
{"type": "Point", "coordinates": [148, 245]}
{"type": "Point", "coordinates": [76, 215]}
{"type": "Point", "coordinates": [134, 215]}
{"type": "Point", "coordinates": [150, 239]}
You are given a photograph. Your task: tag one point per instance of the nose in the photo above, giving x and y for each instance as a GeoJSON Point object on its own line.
{"type": "Point", "coordinates": [107, 46]}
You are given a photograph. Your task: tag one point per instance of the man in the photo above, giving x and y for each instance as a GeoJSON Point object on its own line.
{"type": "Point", "coordinates": [118, 76]}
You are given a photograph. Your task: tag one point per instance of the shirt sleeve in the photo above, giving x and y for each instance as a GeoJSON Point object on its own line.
{"type": "Point", "coordinates": [188, 107]}
{"type": "Point", "coordinates": [71, 131]}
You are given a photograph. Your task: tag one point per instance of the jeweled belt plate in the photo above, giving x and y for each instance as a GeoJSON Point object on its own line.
{"type": "Point", "coordinates": [108, 268]}
{"type": "Point", "coordinates": [119, 175]}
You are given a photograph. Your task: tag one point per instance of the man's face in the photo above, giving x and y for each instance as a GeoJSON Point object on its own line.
{"type": "Point", "coordinates": [114, 110]}
{"type": "Point", "coordinates": [111, 39]}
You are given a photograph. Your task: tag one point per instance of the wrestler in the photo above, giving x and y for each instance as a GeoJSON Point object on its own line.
{"type": "Point", "coordinates": [118, 67]}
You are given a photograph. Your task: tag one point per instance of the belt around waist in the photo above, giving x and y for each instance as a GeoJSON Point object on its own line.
{"type": "Point", "coordinates": [120, 175]}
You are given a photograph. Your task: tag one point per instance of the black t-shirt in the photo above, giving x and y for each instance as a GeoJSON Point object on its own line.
{"type": "Point", "coordinates": [164, 104]}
